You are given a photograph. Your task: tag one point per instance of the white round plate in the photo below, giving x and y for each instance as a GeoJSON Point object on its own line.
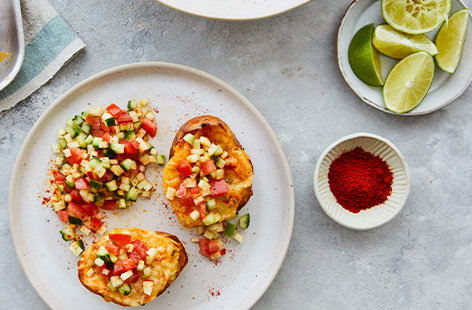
{"type": "Point", "coordinates": [378, 215]}
{"type": "Point", "coordinates": [234, 9]}
{"type": "Point", "coordinates": [179, 93]}
{"type": "Point", "coordinates": [445, 88]}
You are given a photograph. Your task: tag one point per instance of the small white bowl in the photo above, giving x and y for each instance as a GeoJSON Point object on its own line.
{"type": "Point", "coordinates": [375, 216]}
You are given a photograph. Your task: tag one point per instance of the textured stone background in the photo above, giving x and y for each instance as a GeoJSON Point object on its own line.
{"type": "Point", "coordinates": [286, 67]}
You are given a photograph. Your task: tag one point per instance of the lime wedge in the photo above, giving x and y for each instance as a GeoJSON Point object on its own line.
{"type": "Point", "coordinates": [364, 58]}
{"type": "Point", "coordinates": [4, 55]}
{"type": "Point", "coordinates": [450, 40]}
{"type": "Point", "coordinates": [408, 82]}
{"type": "Point", "coordinates": [398, 45]}
{"type": "Point", "coordinates": [415, 16]}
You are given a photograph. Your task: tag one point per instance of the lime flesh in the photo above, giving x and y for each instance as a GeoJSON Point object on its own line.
{"type": "Point", "coordinates": [408, 82]}
{"type": "Point", "coordinates": [398, 45]}
{"type": "Point", "coordinates": [364, 58]}
{"type": "Point", "coordinates": [450, 40]}
{"type": "Point", "coordinates": [415, 16]}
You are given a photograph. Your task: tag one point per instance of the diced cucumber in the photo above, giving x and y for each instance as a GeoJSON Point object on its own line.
{"type": "Point", "coordinates": [210, 204]}
{"type": "Point", "coordinates": [110, 122]}
{"type": "Point", "coordinates": [65, 168]}
{"type": "Point", "coordinates": [71, 132]}
{"type": "Point", "coordinates": [117, 148]}
{"type": "Point", "coordinates": [111, 186]}
{"type": "Point", "coordinates": [109, 153]}
{"type": "Point", "coordinates": [96, 142]}
{"type": "Point", "coordinates": [244, 221]}
{"type": "Point", "coordinates": [62, 143]}
{"type": "Point", "coordinates": [161, 159]}
{"type": "Point", "coordinates": [122, 204]}
{"type": "Point", "coordinates": [209, 219]}
{"type": "Point", "coordinates": [94, 162]}
{"type": "Point", "coordinates": [98, 198]}
{"type": "Point", "coordinates": [219, 151]}
{"type": "Point", "coordinates": [121, 135]}
{"type": "Point", "coordinates": [75, 220]}
{"type": "Point", "coordinates": [189, 138]}
{"type": "Point", "coordinates": [60, 187]}
{"type": "Point", "coordinates": [67, 234]}
{"type": "Point", "coordinates": [77, 128]}
{"type": "Point", "coordinates": [78, 120]}
{"type": "Point", "coordinates": [126, 164]}
{"type": "Point", "coordinates": [130, 135]}
{"type": "Point", "coordinates": [125, 289]}
{"type": "Point", "coordinates": [89, 139]}
{"type": "Point", "coordinates": [70, 183]}
{"type": "Point", "coordinates": [86, 128]}
{"type": "Point", "coordinates": [132, 194]}
{"type": "Point", "coordinates": [103, 254]}
{"type": "Point", "coordinates": [81, 140]}
{"type": "Point", "coordinates": [77, 247]}
{"type": "Point", "coordinates": [132, 104]}
{"type": "Point", "coordinates": [230, 230]}
{"type": "Point", "coordinates": [95, 184]}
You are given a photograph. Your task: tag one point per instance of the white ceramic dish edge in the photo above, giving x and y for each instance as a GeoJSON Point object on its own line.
{"type": "Point", "coordinates": [235, 17]}
{"type": "Point", "coordinates": [339, 141]}
{"type": "Point", "coordinates": [285, 243]}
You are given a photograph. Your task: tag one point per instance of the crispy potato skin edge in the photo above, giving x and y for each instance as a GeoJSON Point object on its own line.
{"type": "Point", "coordinates": [199, 122]}
{"type": "Point", "coordinates": [183, 259]}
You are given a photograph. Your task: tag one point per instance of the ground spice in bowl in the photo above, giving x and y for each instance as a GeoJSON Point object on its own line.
{"type": "Point", "coordinates": [360, 180]}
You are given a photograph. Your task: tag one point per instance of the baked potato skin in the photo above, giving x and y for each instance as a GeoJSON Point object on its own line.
{"type": "Point", "coordinates": [240, 174]}
{"type": "Point", "coordinates": [98, 283]}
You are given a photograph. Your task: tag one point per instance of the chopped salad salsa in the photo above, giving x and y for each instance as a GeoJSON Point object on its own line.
{"type": "Point", "coordinates": [124, 262]}
{"type": "Point", "coordinates": [203, 173]}
{"type": "Point", "coordinates": [102, 155]}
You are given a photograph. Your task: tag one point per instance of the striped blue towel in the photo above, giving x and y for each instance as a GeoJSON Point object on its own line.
{"type": "Point", "coordinates": [49, 43]}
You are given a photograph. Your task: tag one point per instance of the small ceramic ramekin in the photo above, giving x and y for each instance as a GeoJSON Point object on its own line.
{"type": "Point", "coordinates": [375, 216]}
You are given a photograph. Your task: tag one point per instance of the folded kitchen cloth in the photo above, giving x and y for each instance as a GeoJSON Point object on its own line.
{"type": "Point", "coordinates": [49, 43]}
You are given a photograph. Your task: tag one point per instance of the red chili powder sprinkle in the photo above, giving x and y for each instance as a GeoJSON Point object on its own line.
{"type": "Point", "coordinates": [360, 180]}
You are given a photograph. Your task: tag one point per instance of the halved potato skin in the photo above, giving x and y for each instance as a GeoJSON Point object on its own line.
{"type": "Point", "coordinates": [240, 175]}
{"type": "Point", "coordinates": [164, 270]}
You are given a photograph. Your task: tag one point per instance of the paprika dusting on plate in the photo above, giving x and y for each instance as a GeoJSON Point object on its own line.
{"type": "Point", "coordinates": [360, 180]}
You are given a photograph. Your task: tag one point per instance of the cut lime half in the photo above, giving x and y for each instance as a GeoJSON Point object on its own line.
{"type": "Point", "coordinates": [408, 82]}
{"type": "Point", "coordinates": [415, 16]}
{"type": "Point", "coordinates": [364, 58]}
{"type": "Point", "coordinates": [398, 45]}
{"type": "Point", "coordinates": [450, 40]}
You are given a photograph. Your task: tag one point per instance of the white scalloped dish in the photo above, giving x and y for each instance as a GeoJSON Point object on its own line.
{"type": "Point", "coordinates": [374, 216]}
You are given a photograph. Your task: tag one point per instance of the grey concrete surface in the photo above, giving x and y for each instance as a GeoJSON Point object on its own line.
{"type": "Point", "coordinates": [287, 68]}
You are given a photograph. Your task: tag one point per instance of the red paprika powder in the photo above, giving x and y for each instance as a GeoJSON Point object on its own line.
{"type": "Point", "coordinates": [360, 180]}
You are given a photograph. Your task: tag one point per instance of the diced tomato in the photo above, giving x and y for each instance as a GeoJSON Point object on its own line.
{"type": "Point", "coordinates": [112, 248]}
{"type": "Point", "coordinates": [208, 167]}
{"type": "Point", "coordinates": [76, 156]}
{"type": "Point", "coordinates": [135, 257]}
{"type": "Point", "coordinates": [90, 208]}
{"type": "Point", "coordinates": [81, 183]}
{"type": "Point", "coordinates": [63, 216]}
{"type": "Point", "coordinates": [184, 168]}
{"type": "Point", "coordinates": [97, 133]}
{"type": "Point", "coordinates": [122, 239]}
{"type": "Point", "coordinates": [209, 247]}
{"type": "Point", "coordinates": [195, 191]}
{"type": "Point", "coordinates": [131, 147]}
{"type": "Point", "coordinates": [93, 121]}
{"type": "Point", "coordinates": [187, 199]}
{"type": "Point", "coordinates": [202, 209]}
{"type": "Point", "coordinates": [114, 110]}
{"type": "Point", "coordinates": [95, 224]}
{"type": "Point", "coordinates": [149, 126]}
{"type": "Point", "coordinates": [67, 189]}
{"type": "Point", "coordinates": [218, 188]}
{"type": "Point", "coordinates": [118, 268]}
{"type": "Point", "coordinates": [76, 196]}
{"type": "Point", "coordinates": [140, 248]}
{"type": "Point", "coordinates": [104, 127]}
{"type": "Point", "coordinates": [58, 177]}
{"type": "Point", "coordinates": [109, 205]}
{"type": "Point", "coordinates": [134, 277]}
{"type": "Point", "coordinates": [124, 118]}
{"type": "Point", "coordinates": [108, 176]}
{"type": "Point", "coordinates": [128, 264]}
{"type": "Point", "coordinates": [121, 157]}
{"type": "Point", "coordinates": [76, 210]}
{"type": "Point", "coordinates": [213, 246]}
{"type": "Point", "coordinates": [106, 137]}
